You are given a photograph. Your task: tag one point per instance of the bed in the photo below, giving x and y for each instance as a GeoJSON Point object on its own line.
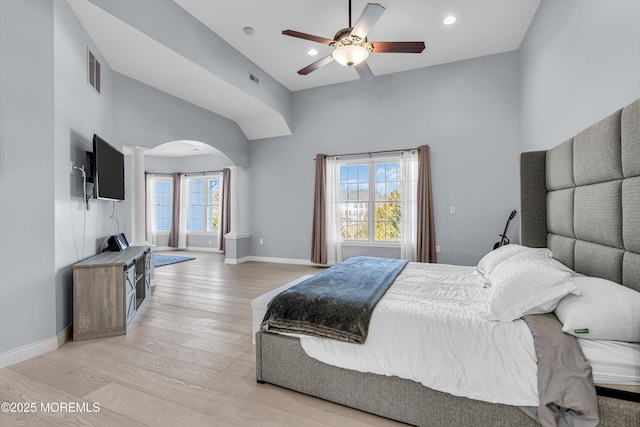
{"type": "Point", "coordinates": [581, 201]}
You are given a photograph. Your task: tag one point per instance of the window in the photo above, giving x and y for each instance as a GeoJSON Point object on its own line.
{"type": "Point", "coordinates": [369, 200]}
{"type": "Point", "coordinates": [163, 188]}
{"type": "Point", "coordinates": [203, 208]}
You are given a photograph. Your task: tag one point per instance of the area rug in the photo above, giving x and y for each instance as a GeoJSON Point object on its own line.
{"type": "Point", "coordinates": [162, 260]}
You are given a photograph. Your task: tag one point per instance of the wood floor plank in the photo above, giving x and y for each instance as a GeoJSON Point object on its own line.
{"type": "Point", "coordinates": [201, 329]}
{"type": "Point", "coordinates": [186, 360]}
{"type": "Point", "coordinates": [19, 419]}
{"type": "Point", "coordinates": [149, 409]}
{"type": "Point", "coordinates": [62, 376]}
{"type": "Point", "coordinates": [219, 362]}
{"type": "Point", "coordinates": [15, 387]}
{"type": "Point", "coordinates": [211, 393]}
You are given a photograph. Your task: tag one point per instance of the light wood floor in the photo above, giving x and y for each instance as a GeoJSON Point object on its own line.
{"type": "Point", "coordinates": [187, 361]}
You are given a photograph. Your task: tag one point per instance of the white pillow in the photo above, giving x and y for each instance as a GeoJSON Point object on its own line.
{"type": "Point", "coordinates": [605, 310]}
{"type": "Point", "coordinates": [527, 283]}
{"type": "Point", "coordinates": [492, 259]}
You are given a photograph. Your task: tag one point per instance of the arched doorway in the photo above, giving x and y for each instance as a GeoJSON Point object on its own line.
{"type": "Point", "coordinates": [183, 156]}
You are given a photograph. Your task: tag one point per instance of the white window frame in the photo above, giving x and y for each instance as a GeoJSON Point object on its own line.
{"type": "Point", "coordinates": [205, 206]}
{"type": "Point", "coordinates": [157, 204]}
{"type": "Point", "coordinates": [371, 162]}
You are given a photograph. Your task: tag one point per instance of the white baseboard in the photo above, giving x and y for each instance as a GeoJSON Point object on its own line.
{"type": "Point", "coordinates": [279, 260]}
{"type": "Point", "coordinates": [203, 249]}
{"type": "Point", "coordinates": [188, 248]}
{"type": "Point", "coordinates": [234, 261]}
{"type": "Point", "coordinates": [36, 349]}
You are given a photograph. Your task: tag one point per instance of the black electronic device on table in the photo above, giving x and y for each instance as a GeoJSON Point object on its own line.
{"type": "Point", "coordinates": [117, 243]}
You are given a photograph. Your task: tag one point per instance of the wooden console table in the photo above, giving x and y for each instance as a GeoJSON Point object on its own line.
{"type": "Point", "coordinates": [108, 290]}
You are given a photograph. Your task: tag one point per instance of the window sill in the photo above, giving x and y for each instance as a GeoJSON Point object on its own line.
{"type": "Point", "coordinates": [371, 244]}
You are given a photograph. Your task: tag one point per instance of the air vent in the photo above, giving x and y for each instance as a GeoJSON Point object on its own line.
{"type": "Point", "coordinates": [93, 70]}
{"type": "Point", "coordinates": [254, 79]}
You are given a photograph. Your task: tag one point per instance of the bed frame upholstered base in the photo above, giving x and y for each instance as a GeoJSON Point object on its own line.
{"type": "Point", "coordinates": [280, 360]}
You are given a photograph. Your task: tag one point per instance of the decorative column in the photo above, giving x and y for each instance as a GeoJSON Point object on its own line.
{"type": "Point", "coordinates": [235, 193]}
{"type": "Point", "coordinates": [137, 197]}
{"type": "Point", "coordinates": [236, 243]}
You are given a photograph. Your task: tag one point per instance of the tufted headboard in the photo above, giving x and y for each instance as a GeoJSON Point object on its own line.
{"type": "Point", "coordinates": [581, 199]}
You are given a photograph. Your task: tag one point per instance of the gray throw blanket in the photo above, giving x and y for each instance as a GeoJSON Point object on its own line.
{"type": "Point", "coordinates": [336, 303]}
{"type": "Point", "coordinates": [565, 384]}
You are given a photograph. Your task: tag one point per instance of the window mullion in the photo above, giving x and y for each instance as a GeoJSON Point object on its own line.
{"type": "Point", "coordinates": [372, 193]}
{"type": "Point", "coordinates": [205, 196]}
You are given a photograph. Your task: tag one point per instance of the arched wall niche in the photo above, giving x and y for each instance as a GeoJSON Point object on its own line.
{"type": "Point", "coordinates": [184, 156]}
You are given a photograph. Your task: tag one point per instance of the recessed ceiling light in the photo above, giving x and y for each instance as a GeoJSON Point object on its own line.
{"type": "Point", "coordinates": [248, 31]}
{"type": "Point", "coordinates": [312, 52]}
{"type": "Point", "coordinates": [449, 20]}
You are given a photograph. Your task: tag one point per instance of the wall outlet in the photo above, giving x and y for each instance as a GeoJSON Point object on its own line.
{"type": "Point", "coordinates": [452, 210]}
{"type": "Point", "coordinates": [437, 249]}
{"type": "Point", "coordinates": [71, 166]}
{"type": "Point", "coordinates": [261, 241]}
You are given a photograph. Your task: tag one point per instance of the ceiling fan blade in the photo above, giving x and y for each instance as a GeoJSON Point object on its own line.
{"type": "Point", "coordinates": [398, 47]}
{"type": "Point", "coordinates": [305, 36]}
{"type": "Point", "coordinates": [367, 20]}
{"type": "Point", "coordinates": [312, 67]}
{"type": "Point", "coordinates": [364, 71]}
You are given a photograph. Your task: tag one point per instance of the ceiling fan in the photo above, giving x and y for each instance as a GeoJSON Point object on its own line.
{"type": "Point", "coordinates": [351, 45]}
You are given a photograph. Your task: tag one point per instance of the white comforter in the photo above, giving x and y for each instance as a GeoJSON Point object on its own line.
{"type": "Point", "coordinates": [428, 328]}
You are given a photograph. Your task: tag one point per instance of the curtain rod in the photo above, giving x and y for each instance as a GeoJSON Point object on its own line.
{"type": "Point", "coordinates": [398, 150]}
{"type": "Point", "coordinates": [203, 173]}
{"type": "Point", "coordinates": [183, 173]}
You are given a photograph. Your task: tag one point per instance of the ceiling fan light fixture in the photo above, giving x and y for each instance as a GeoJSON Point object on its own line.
{"type": "Point", "coordinates": [350, 55]}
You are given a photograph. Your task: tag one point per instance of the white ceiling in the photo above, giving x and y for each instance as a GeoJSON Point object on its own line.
{"type": "Point", "coordinates": [182, 148]}
{"type": "Point", "coordinates": [483, 27]}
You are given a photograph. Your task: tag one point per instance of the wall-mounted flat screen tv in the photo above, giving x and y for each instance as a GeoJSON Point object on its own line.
{"type": "Point", "coordinates": [108, 173]}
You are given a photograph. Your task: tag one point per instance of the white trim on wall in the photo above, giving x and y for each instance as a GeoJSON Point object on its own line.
{"type": "Point", "coordinates": [36, 349]}
{"type": "Point", "coordinates": [270, 259]}
{"type": "Point", "coordinates": [188, 248]}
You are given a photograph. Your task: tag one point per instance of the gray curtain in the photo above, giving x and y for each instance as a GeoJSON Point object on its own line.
{"type": "Point", "coordinates": [426, 243]}
{"type": "Point", "coordinates": [174, 231]}
{"type": "Point", "coordinates": [319, 233]}
{"type": "Point", "coordinates": [225, 209]}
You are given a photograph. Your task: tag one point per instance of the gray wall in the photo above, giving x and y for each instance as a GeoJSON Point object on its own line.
{"type": "Point", "coordinates": [48, 115]}
{"type": "Point", "coordinates": [185, 164]}
{"type": "Point", "coordinates": [580, 61]}
{"type": "Point", "coordinates": [147, 117]}
{"type": "Point", "coordinates": [79, 113]}
{"type": "Point", "coordinates": [466, 111]}
{"type": "Point", "coordinates": [27, 311]}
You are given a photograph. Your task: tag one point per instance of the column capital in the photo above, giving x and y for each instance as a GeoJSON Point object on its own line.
{"type": "Point", "coordinates": [133, 149]}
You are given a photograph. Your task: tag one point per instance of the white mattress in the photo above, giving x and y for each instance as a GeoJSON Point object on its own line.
{"type": "Point", "coordinates": [428, 328]}
{"type": "Point", "coordinates": [612, 362]}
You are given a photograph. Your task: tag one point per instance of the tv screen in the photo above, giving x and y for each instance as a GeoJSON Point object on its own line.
{"type": "Point", "coordinates": [108, 175]}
